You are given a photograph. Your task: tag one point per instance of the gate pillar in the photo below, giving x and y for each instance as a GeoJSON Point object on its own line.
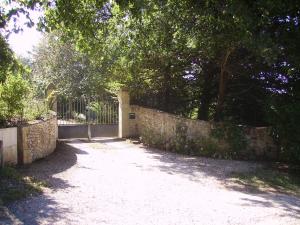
{"type": "Point", "coordinates": [124, 108]}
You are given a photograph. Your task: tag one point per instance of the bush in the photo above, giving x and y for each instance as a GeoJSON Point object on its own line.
{"type": "Point", "coordinates": [284, 116]}
{"type": "Point", "coordinates": [234, 136]}
{"type": "Point", "coordinates": [12, 95]}
{"type": "Point", "coordinates": [35, 109]}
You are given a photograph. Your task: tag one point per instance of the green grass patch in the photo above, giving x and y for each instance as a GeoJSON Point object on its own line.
{"type": "Point", "coordinates": [14, 186]}
{"type": "Point", "coordinates": [285, 182]}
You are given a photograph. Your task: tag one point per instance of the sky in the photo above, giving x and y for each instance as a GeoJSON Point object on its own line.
{"type": "Point", "coordinates": [22, 43]}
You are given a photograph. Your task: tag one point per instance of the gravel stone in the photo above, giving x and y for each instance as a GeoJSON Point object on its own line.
{"type": "Point", "coordinates": [112, 181]}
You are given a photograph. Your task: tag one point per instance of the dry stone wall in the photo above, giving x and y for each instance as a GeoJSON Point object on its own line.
{"type": "Point", "coordinates": [165, 124]}
{"type": "Point", "coordinates": [36, 140]}
{"type": "Point", "coordinates": [175, 133]}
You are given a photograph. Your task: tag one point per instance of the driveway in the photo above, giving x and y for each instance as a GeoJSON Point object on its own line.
{"type": "Point", "coordinates": [120, 183]}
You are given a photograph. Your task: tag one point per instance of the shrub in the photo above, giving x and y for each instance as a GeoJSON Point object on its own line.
{"type": "Point", "coordinates": [150, 138]}
{"type": "Point", "coordinates": [284, 114]}
{"type": "Point", "coordinates": [208, 147]}
{"type": "Point", "coordinates": [35, 109]}
{"type": "Point", "coordinates": [234, 136]}
{"type": "Point", "coordinates": [12, 95]}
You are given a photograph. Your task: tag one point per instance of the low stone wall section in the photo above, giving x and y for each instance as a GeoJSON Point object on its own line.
{"type": "Point", "coordinates": [164, 130]}
{"type": "Point", "coordinates": [165, 124]}
{"type": "Point", "coordinates": [36, 140]}
{"type": "Point", "coordinates": [8, 136]}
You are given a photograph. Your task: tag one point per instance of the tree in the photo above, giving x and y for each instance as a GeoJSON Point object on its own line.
{"type": "Point", "coordinates": [227, 60]}
{"type": "Point", "coordinates": [7, 60]}
{"type": "Point", "coordinates": [61, 64]}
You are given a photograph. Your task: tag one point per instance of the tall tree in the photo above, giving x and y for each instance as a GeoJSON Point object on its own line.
{"type": "Point", "coordinates": [70, 70]}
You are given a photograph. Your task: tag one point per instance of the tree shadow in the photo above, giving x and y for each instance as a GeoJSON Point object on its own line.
{"type": "Point", "coordinates": [197, 169]}
{"type": "Point", "coordinates": [46, 209]}
{"type": "Point", "coordinates": [62, 159]}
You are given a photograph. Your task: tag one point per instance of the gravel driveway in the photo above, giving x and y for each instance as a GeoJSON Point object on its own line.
{"type": "Point", "coordinates": [119, 183]}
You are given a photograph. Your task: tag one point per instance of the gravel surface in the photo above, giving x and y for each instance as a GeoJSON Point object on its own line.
{"type": "Point", "coordinates": [119, 183]}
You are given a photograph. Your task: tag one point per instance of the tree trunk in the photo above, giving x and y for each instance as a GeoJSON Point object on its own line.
{"type": "Point", "coordinates": [205, 99]}
{"type": "Point", "coordinates": [166, 89]}
{"type": "Point", "coordinates": [223, 78]}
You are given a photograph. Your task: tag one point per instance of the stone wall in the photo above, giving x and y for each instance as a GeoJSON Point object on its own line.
{"type": "Point", "coordinates": [9, 138]}
{"type": "Point", "coordinates": [165, 124]}
{"type": "Point", "coordinates": [184, 135]}
{"type": "Point", "coordinates": [36, 140]}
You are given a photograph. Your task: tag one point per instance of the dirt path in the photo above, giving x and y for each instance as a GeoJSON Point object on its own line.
{"type": "Point", "coordinates": [119, 183]}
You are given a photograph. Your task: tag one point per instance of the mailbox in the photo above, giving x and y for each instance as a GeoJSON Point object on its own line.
{"type": "Point", "coordinates": [131, 116]}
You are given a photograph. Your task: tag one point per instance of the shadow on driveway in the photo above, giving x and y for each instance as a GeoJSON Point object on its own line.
{"type": "Point", "coordinates": [197, 169]}
{"type": "Point", "coordinates": [62, 159]}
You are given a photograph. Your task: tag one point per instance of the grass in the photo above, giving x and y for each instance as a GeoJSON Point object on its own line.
{"type": "Point", "coordinates": [269, 178]}
{"type": "Point", "coordinates": [14, 186]}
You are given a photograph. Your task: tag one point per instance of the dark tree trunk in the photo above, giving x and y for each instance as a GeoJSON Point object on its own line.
{"type": "Point", "coordinates": [166, 89]}
{"type": "Point", "coordinates": [223, 78]}
{"type": "Point", "coordinates": [206, 96]}
{"type": "Point", "coordinates": [221, 96]}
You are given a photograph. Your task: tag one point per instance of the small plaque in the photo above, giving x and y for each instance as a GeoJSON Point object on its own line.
{"type": "Point", "coordinates": [132, 116]}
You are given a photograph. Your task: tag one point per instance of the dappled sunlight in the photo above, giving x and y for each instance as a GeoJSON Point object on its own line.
{"type": "Point", "coordinates": [119, 182]}
{"type": "Point", "coordinates": [45, 209]}
{"type": "Point", "coordinates": [214, 173]}
{"type": "Point", "coordinates": [197, 78]}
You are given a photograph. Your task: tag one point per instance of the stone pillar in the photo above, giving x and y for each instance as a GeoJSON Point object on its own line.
{"type": "Point", "coordinates": [124, 108]}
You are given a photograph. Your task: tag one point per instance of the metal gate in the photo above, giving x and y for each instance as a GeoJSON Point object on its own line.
{"type": "Point", "coordinates": [87, 117]}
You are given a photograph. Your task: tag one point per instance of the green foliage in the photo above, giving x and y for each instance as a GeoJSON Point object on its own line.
{"type": "Point", "coordinates": [12, 97]}
{"type": "Point", "coordinates": [35, 109]}
{"type": "Point", "coordinates": [284, 114]}
{"type": "Point", "coordinates": [180, 142]}
{"type": "Point", "coordinates": [8, 62]}
{"type": "Point", "coordinates": [269, 178]}
{"type": "Point", "coordinates": [226, 141]}
{"type": "Point", "coordinates": [96, 107]}
{"type": "Point", "coordinates": [208, 147]}
{"type": "Point", "coordinates": [102, 111]}
{"type": "Point", "coordinates": [224, 58]}
{"type": "Point", "coordinates": [234, 136]}
{"type": "Point", "coordinates": [149, 137]}
{"type": "Point", "coordinates": [168, 52]}
{"type": "Point", "coordinates": [15, 89]}
{"type": "Point", "coordinates": [6, 59]}
{"type": "Point", "coordinates": [150, 46]}
{"type": "Point", "coordinates": [51, 99]}
{"type": "Point", "coordinates": [60, 63]}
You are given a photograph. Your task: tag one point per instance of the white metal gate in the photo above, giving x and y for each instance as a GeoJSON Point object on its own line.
{"type": "Point", "coordinates": [87, 117]}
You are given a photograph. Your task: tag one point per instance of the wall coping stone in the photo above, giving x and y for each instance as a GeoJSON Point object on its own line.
{"type": "Point", "coordinates": [34, 122]}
